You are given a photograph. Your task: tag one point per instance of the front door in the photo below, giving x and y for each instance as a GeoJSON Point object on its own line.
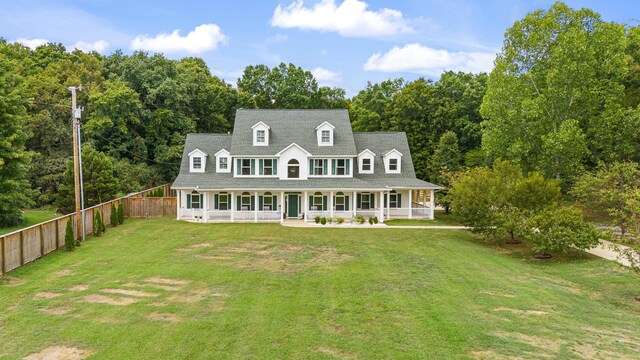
{"type": "Point", "coordinates": [292, 206]}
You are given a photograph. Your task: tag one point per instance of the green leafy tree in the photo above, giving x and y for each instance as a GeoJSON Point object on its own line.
{"type": "Point", "coordinates": [69, 241]}
{"type": "Point", "coordinates": [446, 158]}
{"type": "Point", "coordinates": [113, 216]}
{"type": "Point", "coordinates": [370, 108]}
{"type": "Point", "coordinates": [558, 229]}
{"type": "Point", "coordinates": [15, 192]}
{"type": "Point", "coordinates": [554, 90]}
{"type": "Point", "coordinates": [615, 189]}
{"type": "Point", "coordinates": [120, 213]}
{"type": "Point", "coordinates": [100, 184]}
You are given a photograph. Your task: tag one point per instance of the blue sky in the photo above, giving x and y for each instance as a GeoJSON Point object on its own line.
{"type": "Point", "coordinates": [345, 43]}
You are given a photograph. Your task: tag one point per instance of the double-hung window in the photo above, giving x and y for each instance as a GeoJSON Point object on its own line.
{"type": "Point", "coordinates": [224, 163]}
{"type": "Point", "coordinates": [246, 166]}
{"type": "Point", "coordinates": [365, 201]}
{"type": "Point", "coordinates": [267, 203]}
{"type": "Point", "coordinates": [268, 167]}
{"type": "Point", "coordinates": [245, 201]}
{"type": "Point", "coordinates": [340, 202]}
{"type": "Point", "coordinates": [260, 136]}
{"type": "Point", "coordinates": [197, 162]}
{"type": "Point", "coordinates": [318, 167]}
{"type": "Point", "coordinates": [223, 202]}
{"type": "Point", "coordinates": [366, 164]}
{"type": "Point", "coordinates": [341, 167]}
{"type": "Point", "coordinates": [326, 136]}
{"type": "Point", "coordinates": [317, 201]}
{"type": "Point", "coordinates": [393, 164]}
{"type": "Point", "coordinates": [393, 200]}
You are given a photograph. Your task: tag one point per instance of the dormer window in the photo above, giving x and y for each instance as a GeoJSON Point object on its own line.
{"type": "Point", "coordinates": [392, 161]}
{"type": "Point", "coordinates": [324, 132]}
{"type": "Point", "coordinates": [223, 161]}
{"type": "Point", "coordinates": [326, 136]}
{"type": "Point", "coordinates": [197, 161]}
{"type": "Point", "coordinates": [365, 162]}
{"type": "Point", "coordinates": [260, 134]}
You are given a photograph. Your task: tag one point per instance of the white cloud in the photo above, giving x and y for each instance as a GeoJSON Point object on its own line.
{"type": "Point", "coordinates": [351, 18]}
{"type": "Point", "coordinates": [203, 38]}
{"type": "Point", "coordinates": [327, 76]}
{"type": "Point", "coordinates": [99, 46]}
{"type": "Point", "coordinates": [31, 43]}
{"type": "Point", "coordinates": [420, 59]}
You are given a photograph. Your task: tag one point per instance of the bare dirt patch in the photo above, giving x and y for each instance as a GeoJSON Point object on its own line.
{"type": "Point", "coordinates": [56, 310]}
{"type": "Point", "coordinates": [136, 293]}
{"type": "Point", "coordinates": [77, 288]}
{"type": "Point", "coordinates": [163, 317]}
{"type": "Point", "coordinates": [195, 247]}
{"type": "Point", "coordinates": [60, 353]}
{"type": "Point", "coordinates": [496, 293]}
{"type": "Point", "coordinates": [549, 345]}
{"type": "Point", "coordinates": [161, 280]}
{"type": "Point", "coordinates": [8, 280]}
{"type": "Point", "coordinates": [46, 295]}
{"type": "Point", "coordinates": [102, 299]}
{"type": "Point", "coordinates": [521, 312]}
{"type": "Point", "coordinates": [155, 286]}
{"type": "Point", "coordinates": [191, 298]}
{"type": "Point", "coordinates": [64, 272]}
{"type": "Point", "coordinates": [489, 354]}
{"type": "Point", "coordinates": [214, 257]}
{"type": "Point", "coordinates": [335, 353]}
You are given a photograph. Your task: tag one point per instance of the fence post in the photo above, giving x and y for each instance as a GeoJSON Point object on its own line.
{"type": "Point", "coordinates": [57, 234]}
{"type": "Point", "coordinates": [4, 258]}
{"type": "Point", "coordinates": [41, 241]}
{"type": "Point", "coordinates": [21, 248]}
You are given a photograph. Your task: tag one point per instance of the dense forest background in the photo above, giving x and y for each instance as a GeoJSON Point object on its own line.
{"type": "Point", "coordinates": [563, 96]}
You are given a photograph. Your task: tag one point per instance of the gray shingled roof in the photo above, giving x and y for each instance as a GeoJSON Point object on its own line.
{"type": "Point", "coordinates": [379, 143]}
{"type": "Point", "coordinates": [289, 126]}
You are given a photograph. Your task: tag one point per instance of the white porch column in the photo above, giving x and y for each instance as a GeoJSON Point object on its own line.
{"type": "Point", "coordinates": [205, 205]}
{"type": "Point", "coordinates": [306, 205]}
{"type": "Point", "coordinates": [233, 205]}
{"type": "Point", "coordinates": [388, 205]}
{"type": "Point", "coordinates": [177, 204]}
{"type": "Point", "coordinates": [255, 206]}
{"type": "Point", "coordinates": [410, 203]}
{"type": "Point", "coordinates": [381, 217]}
{"type": "Point", "coordinates": [432, 204]}
{"type": "Point", "coordinates": [331, 204]}
{"type": "Point", "coordinates": [282, 209]}
{"type": "Point", "coordinates": [354, 203]}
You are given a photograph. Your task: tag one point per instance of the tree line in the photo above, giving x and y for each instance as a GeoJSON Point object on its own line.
{"type": "Point", "coordinates": [562, 98]}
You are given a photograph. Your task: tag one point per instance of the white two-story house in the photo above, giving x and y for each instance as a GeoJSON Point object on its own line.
{"type": "Point", "coordinates": [298, 164]}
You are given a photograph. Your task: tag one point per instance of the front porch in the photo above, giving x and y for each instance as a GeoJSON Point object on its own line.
{"type": "Point", "coordinates": [278, 205]}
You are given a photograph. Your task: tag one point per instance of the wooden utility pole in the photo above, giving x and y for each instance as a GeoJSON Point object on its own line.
{"type": "Point", "coordinates": [76, 162]}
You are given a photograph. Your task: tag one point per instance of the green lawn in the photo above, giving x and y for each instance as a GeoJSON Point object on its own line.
{"type": "Point", "coordinates": [440, 219]}
{"type": "Point", "coordinates": [263, 291]}
{"type": "Point", "coordinates": [32, 217]}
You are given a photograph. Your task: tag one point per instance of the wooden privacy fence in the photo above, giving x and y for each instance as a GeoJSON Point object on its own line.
{"type": "Point", "coordinates": [26, 245]}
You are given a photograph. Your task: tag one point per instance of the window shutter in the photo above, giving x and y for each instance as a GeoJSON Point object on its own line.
{"type": "Point", "coordinates": [275, 202]}
{"type": "Point", "coordinates": [260, 167]}
{"type": "Point", "coordinates": [238, 167]}
{"type": "Point", "coordinates": [310, 203]}
{"type": "Point", "coordinates": [253, 202]}
{"type": "Point", "coordinates": [260, 203]}
{"type": "Point", "coordinates": [238, 202]}
{"type": "Point", "coordinates": [372, 200]}
{"type": "Point", "coordinates": [215, 201]}
{"type": "Point", "coordinates": [325, 168]}
{"type": "Point", "coordinates": [347, 166]}
{"type": "Point", "coordinates": [324, 203]}
{"type": "Point", "coordinates": [188, 201]}
{"type": "Point", "coordinates": [310, 166]}
{"type": "Point", "coordinates": [358, 201]}
{"type": "Point", "coordinates": [275, 166]}
{"type": "Point", "coordinates": [253, 166]}
{"type": "Point", "coordinates": [333, 166]}
{"type": "Point", "coordinates": [399, 201]}
{"type": "Point", "coordinates": [385, 201]}
{"type": "Point", "coordinates": [346, 203]}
